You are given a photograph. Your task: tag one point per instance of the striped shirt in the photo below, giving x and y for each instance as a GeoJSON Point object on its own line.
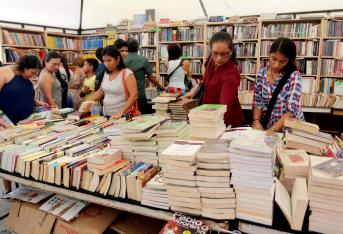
{"type": "Point", "coordinates": [288, 99]}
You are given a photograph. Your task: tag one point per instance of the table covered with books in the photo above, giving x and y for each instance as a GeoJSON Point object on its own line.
{"type": "Point", "coordinates": [155, 166]}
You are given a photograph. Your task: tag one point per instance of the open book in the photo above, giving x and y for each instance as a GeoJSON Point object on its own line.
{"type": "Point", "coordinates": [294, 206]}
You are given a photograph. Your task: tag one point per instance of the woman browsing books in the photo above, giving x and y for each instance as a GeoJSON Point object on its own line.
{"type": "Point", "coordinates": [17, 95]}
{"type": "Point", "coordinates": [278, 88]}
{"type": "Point", "coordinates": [221, 79]}
{"type": "Point", "coordinates": [118, 88]}
{"type": "Point", "coordinates": [178, 71]}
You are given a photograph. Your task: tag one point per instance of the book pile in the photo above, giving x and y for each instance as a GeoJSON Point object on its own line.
{"type": "Point", "coordinates": [125, 180]}
{"type": "Point", "coordinates": [104, 161]}
{"type": "Point", "coordinates": [162, 103]}
{"type": "Point", "coordinates": [206, 121]}
{"type": "Point", "coordinates": [180, 109]}
{"type": "Point", "coordinates": [145, 150]}
{"type": "Point", "coordinates": [295, 163]}
{"type": "Point", "coordinates": [213, 180]}
{"type": "Point", "coordinates": [169, 132]}
{"type": "Point", "coordinates": [303, 135]}
{"type": "Point", "coordinates": [141, 128]}
{"type": "Point", "coordinates": [252, 157]}
{"type": "Point", "coordinates": [155, 193]}
{"type": "Point", "coordinates": [178, 163]}
{"type": "Point", "coordinates": [120, 142]}
{"type": "Point", "coordinates": [325, 194]}
{"type": "Point", "coordinates": [140, 132]}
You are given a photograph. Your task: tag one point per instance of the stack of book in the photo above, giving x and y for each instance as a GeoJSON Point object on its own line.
{"type": "Point", "coordinates": [295, 163]}
{"type": "Point", "coordinates": [180, 109]}
{"type": "Point", "coordinates": [104, 161]}
{"type": "Point", "coordinates": [178, 163]}
{"type": "Point", "coordinates": [120, 142]}
{"type": "Point", "coordinates": [162, 103]}
{"type": "Point", "coordinates": [303, 135]}
{"type": "Point", "coordinates": [206, 121]}
{"type": "Point", "coordinates": [155, 193]}
{"type": "Point", "coordinates": [325, 195]}
{"type": "Point", "coordinates": [213, 180]}
{"type": "Point", "coordinates": [141, 128]}
{"type": "Point", "coordinates": [252, 157]}
{"type": "Point", "coordinates": [145, 150]}
{"type": "Point", "coordinates": [169, 132]}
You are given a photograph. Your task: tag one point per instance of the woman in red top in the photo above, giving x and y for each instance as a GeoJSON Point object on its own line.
{"type": "Point", "coordinates": [221, 79]}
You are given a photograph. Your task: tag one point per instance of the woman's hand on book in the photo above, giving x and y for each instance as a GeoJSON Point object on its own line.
{"type": "Point", "coordinates": [257, 125]}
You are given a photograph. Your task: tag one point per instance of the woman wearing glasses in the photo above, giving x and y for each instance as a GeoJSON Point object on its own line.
{"type": "Point", "coordinates": [221, 79]}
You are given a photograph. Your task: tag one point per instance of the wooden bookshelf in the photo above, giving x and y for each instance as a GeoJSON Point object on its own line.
{"type": "Point", "coordinates": [120, 205]}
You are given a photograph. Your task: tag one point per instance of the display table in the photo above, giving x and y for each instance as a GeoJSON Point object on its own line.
{"type": "Point", "coordinates": [124, 206]}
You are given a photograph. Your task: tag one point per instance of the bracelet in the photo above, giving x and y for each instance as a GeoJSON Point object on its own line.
{"type": "Point", "coordinates": [256, 119]}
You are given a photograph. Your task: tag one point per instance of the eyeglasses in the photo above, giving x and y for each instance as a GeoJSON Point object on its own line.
{"type": "Point", "coordinates": [222, 54]}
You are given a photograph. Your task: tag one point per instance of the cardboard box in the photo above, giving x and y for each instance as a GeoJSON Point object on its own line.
{"type": "Point", "coordinates": [129, 223]}
{"type": "Point", "coordinates": [26, 218]}
{"type": "Point", "coordinates": [94, 219]}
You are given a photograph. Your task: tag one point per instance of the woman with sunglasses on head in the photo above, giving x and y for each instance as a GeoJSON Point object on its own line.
{"type": "Point", "coordinates": [221, 79]}
{"type": "Point", "coordinates": [278, 88]}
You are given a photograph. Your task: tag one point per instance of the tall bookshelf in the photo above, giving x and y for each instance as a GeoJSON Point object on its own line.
{"type": "Point", "coordinates": [192, 40]}
{"type": "Point", "coordinates": [16, 42]}
{"type": "Point", "coordinates": [148, 47]}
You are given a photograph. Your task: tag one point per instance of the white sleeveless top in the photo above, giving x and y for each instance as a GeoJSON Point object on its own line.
{"type": "Point", "coordinates": [114, 93]}
{"type": "Point", "coordinates": [177, 79]}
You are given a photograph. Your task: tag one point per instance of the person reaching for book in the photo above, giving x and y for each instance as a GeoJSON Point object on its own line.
{"type": "Point", "coordinates": [278, 88]}
{"type": "Point", "coordinates": [118, 88]}
{"type": "Point", "coordinates": [221, 79]}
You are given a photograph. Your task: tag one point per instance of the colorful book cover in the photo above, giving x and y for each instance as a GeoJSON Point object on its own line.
{"type": "Point", "coordinates": [183, 224]}
{"type": "Point", "coordinates": [5, 121]}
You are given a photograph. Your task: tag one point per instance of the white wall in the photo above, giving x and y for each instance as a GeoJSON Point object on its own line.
{"type": "Point", "coordinates": [58, 13]}
{"type": "Point", "coordinates": [97, 13]}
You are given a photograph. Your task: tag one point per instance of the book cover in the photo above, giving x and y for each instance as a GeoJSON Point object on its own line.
{"type": "Point", "coordinates": [5, 121]}
{"type": "Point", "coordinates": [333, 167]}
{"type": "Point", "coordinates": [183, 224]}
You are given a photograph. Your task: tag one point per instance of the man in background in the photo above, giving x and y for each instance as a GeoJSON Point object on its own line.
{"type": "Point", "coordinates": [141, 68]}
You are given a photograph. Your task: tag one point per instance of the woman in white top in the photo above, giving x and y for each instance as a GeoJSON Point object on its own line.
{"type": "Point", "coordinates": [112, 89]}
{"type": "Point", "coordinates": [177, 79]}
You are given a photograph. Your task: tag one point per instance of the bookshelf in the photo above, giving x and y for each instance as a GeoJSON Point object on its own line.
{"type": "Point", "coordinates": [192, 40]}
{"type": "Point", "coordinates": [16, 42]}
{"type": "Point", "coordinates": [91, 42]}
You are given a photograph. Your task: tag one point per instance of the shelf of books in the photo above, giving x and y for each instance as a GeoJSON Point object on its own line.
{"type": "Point", "coordinates": [88, 197]}
{"type": "Point", "coordinates": [91, 42]}
{"type": "Point", "coordinates": [192, 40]}
{"type": "Point", "coordinates": [16, 42]}
{"type": "Point", "coordinates": [331, 69]}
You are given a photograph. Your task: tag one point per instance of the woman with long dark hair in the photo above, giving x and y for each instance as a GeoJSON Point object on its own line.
{"type": "Point", "coordinates": [118, 87]}
{"type": "Point", "coordinates": [221, 79]}
{"type": "Point", "coordinates": [278, 88]}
